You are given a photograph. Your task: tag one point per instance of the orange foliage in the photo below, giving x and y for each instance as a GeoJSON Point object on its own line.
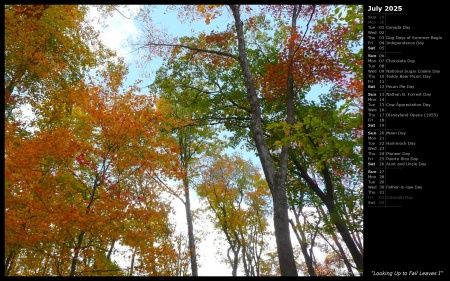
{"type": "Point", "coordinates": [74, 187]}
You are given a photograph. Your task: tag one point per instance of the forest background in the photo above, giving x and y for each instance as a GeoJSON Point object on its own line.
{"type": "Point", "coordinates": [251, 121]}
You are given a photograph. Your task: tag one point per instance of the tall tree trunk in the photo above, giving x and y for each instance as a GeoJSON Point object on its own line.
{"type": "Point", "coordinates": [290, 120]}
{"type": "Point", "coordinates": [276, 181]}
{"type": "Point", "coordinates": [185, 142]}
{"type": "Point", "coordinates": [191, 238]}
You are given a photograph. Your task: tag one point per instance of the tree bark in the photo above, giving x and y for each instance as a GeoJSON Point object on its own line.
{"type": "Point", "coordinates": [184, 141]}
{"type": "Point", "coordinates": [275, 182]}
{"type": "Point", "coordinates": [191, 238]}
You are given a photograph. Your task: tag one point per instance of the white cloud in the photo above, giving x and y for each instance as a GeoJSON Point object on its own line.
{"type": "Point", "coordinates": [120, 28]}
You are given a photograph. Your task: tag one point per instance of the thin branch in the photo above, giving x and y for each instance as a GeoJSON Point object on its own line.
{"type": "Point", "coordinates": [168, 189]}
{"type": "Point", "coordinates": [120, 12]}
{"type": "Point", "coordinates": [307, 27]}
{"type": "Point", "coordinates": [226, 54]}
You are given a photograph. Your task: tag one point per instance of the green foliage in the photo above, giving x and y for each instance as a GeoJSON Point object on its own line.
{"type": "Point", "coordinates": [90, 169]}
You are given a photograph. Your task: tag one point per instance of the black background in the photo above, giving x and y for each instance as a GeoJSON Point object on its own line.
{"type": "Point", "coordinates": [413, 238]}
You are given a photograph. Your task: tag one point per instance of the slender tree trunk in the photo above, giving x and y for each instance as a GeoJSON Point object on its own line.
{"type": "Point", "coordinates": [244, 260]}
{"type": "Point", "coordinates": [343, 255]}
{"type": "Point", "coordinates": [81, 236]}
{"type": "Point", "coordinates": [185, 141]}
{"type": "Point", "coordinates": [9, 262]}
{"type": "Point", "coordinates": [73, 267]}
{"type": "Point", "coordinates": [191, 238]}
{"type": "Point", "coordinates": [304, 247]}
{"type": "Point", "coordinates": [348, 240]}
{"type": "Point", "coordinates": [9, 88]}
{"type": "Point", "coordinates": [338, 244]}
{"type": "Point", "coordinates": [233, 261]}
{"type": "Point", "coordinates": [340, 223]}
{"type": "Point", "coordinates": [236, 258]}
{"type": "Point", "coordinates": [274, 180]}
{"type": "Point", "coordinates": [328, 200]}
{"type": "Point", "coordinates": [132, 262]}
{"type": "Point", "coordinates": [110, 250]}
{"type": "Point", "coordinates": [357, 239]}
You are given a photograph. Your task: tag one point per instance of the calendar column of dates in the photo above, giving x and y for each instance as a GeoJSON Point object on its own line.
{"type": "Point", "coordinates": [399, 107]}
{"type": "Point", "coordinates": [405, 142]}
{"type": "Point", "coordinates": [375, 111]}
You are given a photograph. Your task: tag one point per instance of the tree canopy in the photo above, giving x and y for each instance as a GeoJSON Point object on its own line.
{"type": "Point", "coordinates": [92, 177]}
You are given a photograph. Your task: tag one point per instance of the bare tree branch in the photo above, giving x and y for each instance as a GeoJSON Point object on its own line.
{"type": "Point", "coordinates": [195, 49]}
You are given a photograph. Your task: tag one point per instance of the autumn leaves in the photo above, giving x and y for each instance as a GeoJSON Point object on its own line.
{"type": "Point", "coordinates": [79, 177]}
{"type": "Point", "coordinates": [87, 178]}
